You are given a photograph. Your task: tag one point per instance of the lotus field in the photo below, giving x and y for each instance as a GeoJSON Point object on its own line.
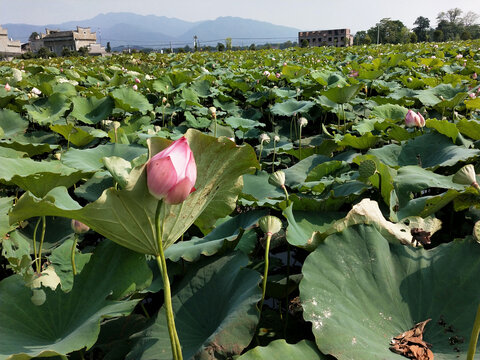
{"type": "Point", "coordinates": [316, 203]}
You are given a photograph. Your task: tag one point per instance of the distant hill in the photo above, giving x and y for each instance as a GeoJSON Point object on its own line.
{"type": "Point", "coordinates": [128, 29]}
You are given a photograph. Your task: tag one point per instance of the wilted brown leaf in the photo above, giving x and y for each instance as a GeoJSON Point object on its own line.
{"type": "Point", "coordinates": [411, 345]}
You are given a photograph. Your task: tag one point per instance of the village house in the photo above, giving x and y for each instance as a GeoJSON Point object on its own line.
{"type": "Point", "coordinates": [335, 37]}
{"type": "Point", "coordinates": [57, 40]}
{"type": "Point", "coordinates": [8, 47]}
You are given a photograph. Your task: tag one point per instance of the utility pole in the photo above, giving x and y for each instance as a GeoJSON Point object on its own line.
{"type": "Point", "coordinates": [378, 34]}
{"type": "Point", "coordinates": [195, 43]}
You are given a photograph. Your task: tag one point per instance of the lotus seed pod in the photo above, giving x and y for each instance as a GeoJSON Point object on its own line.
{"type": "Point", "coordinates": [116, 125]}
{"type": "Point", "coordinates": [38, 297]}
{"type": "Point", "coordinates": [276, 138]}
{"type": "Point", "coordinates": [476, 231]}
{"type": "Point", "coordinates": [277, 178]}
{"type": "Point", "coordinates": [213, 111]}
{"type": "Point", "coordinates": [270, 224]}
{"type": "Point", "coordinates": [79, 227]}
{"type": "Point", "coordinates": [367, 168]}
{"type": "Point", "coordinates": [264, 138]}
{"type": "Point", "coordinates": [302, 122]}
{"type": "Point", "coordinates": [466, 176]}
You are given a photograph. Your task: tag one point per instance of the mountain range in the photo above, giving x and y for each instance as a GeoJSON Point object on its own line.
{"type": "Point", "coordinates": [129, 29]}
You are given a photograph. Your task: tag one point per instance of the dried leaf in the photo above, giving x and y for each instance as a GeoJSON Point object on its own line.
{"type": "Point", "coordinates": [411, 345]}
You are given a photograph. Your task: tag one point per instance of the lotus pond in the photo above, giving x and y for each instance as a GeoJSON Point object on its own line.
{"type": "Point", "coordinates": [373, 229]}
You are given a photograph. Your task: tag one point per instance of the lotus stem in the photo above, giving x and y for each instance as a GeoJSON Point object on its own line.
{"type": "Point", "coordinates": [44, 225]}
{"type": "Point", "coordinates": [260, 155]}
{"type": "Point", "coordinates": [37, 269]}
{"type": "Point", "coordinates": [72, 254]}
{"type": "Point", "coordinates": [265, 272]}
{"type": "Point", "coordinates": [162, 264]}
{"type": "Point", "coordinates": [300, 142]}
{"type": "Point", "coordinates": [472, 347]}
{"type": "Point", "coordinates": [274, 151]}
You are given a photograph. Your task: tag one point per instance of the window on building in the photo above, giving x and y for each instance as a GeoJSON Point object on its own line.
{"type": "Point", "coordinates": [329, 39]}
{"type": "Point", "coordinates": [50, 48]}
{"type": "Point", "coordinates": [342, 38]}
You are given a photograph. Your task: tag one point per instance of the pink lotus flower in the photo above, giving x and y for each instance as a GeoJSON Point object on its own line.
{"type": "Point", "coordinates": [137, 80]}
{"type": "Point", "coordinates": [266, 73]}
{"type": "Point", "coordinates": [278, 75]}
{"type": "Point", "coordinates": [472, 95]}
{"type": "Point", "coordinates": [135, 87]}
{"type": "Point", "coordinates": [459, 56]}
{"type": "Point", "coordinates": [474, 76]}
{"type": "Point", "coordinates": [353, 73]}
{"type": "Point", "coordinates": [172, 173]}
{"type": "Point", "coordinates": [79, 227]}
{"type": "Point", "coordinates": [7, 87]}
{"type": "Point", "coordinates": [414, 119]}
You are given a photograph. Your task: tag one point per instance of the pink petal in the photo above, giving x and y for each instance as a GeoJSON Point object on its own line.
{"type": "Point", "coordinates": [179, 192]}
{"type": "Point", "coordinates": [161, 177]}
{"type": "Point", "coordinates": [191, 171]}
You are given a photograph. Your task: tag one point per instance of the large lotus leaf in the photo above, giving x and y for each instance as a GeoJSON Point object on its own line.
{"type": "Point", "coordinates": [70, 321]}
{"type": "Point", "coordinates": [128, 216]}
{"type": "Point", "coordinates": [92, 110]}
{"type": "Point", "coordinates": [78, 135]}
{"type": "Point", "coordinates": [434, 150]}
{"type": "Point", "coordinates": [91, 159]}
{"type": "Point", "coordinates": [342, 95]}
{"type": "Point", "coordinates": [30, 147]}
{"type": "Point", "coordinates": [242, 124]}
{"type": "Point", "coordinates": [280, 349]}
{"type": "Point", "coordinates": [473, 103]}
{"type": "Point", "coordinates": [413, 179]}
{"type": "Point", "coordinates": [425, 205]}
{"type": "Point", "coordinates": [308, 228]}
{"type": "Point", "coordinates": [6, 203]}
{"type": "Point", "coordinates": [215, 312]}
{"type": "Point", "coordinates": [359, 291]}
{"type": "Point", "coordinates": [389, 111]}
{"type": "Point", "coordinates": [434, 96]}
{"type": "Point", "coordinates": [38, 177]}
{"type": "Point", "coordinates": [292, 107]}
{"type": "Point", "coordinates": [46, 111]}
{"type": "Point", "coordinates": [209, 245]}
{"type": "Point", "coordinates": [363, 142]}
{"type": "Point", "coordinates": [12, 123]}
{"type": "Point", "coordinates": [257, 189]}
{"type": "Point", "coordinates": [130, 100]}
{"type": "Point", "coordinates": [444, 127]}
{"type": "Point", "coordinates": [470, 128]}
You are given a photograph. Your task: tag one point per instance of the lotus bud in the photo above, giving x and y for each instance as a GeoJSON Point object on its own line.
{"type": "Point", "coordinates": [412, 119]}
{"type": "Point", "coordinates": [137, 80]}
{"type": "Point", "coordinates": [213, 111]}
{"type": "Point", "coordinates": [370, 57]}
{"type": "Point", "coordinates": [284, 64]}
{"type": "Point", "coordinates": [57, 155]}
{"type": "Point", "coordinates": [466, 176]}
{"type": "Point", "coordinates": [7, 87]}
{"type": "Point", "coordinates": [135, 87]}
{"type": "Point", "coordinates": [116, 125]}
{"type": "Point", "coordinates": [420, 120]}
{"type": "Point", "coordinates": [276, 138]}
{"type": "Point", "coordinates": [474, 76]}
{"type": "Point", "coordinates": [459, 56]}
{"type": "Point", "coordinates": [79, 227]}
{"type": "Point", "coordinates": [157, 128]}
{"type": "Point", "coordinates": [476, 231]}
{"type": "Point", "coordinates": [36, 91]}
{"type": "Point", "coordinates": [164, 100]}
{"type": "Point", "coordinates": [472, 95]}
{"type": "Point", "coordinates": [264, 138]}
{"type": "Point", "coordinates": [302, 122]}
{"type": "Point", "coordinates": [266, 73]}
{"type": "Point", "coordinates": [172, 173]}
{"type": "Point", "coordinates": [277, 178]}
{"type": "Point", "coordinates": [270, 224]}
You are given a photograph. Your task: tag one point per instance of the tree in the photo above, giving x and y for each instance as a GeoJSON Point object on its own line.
{"type": "Point", "coordinates": [228, 43]}
{"type": "Point", "coordinates": [108, 48]}
{"type": "Point", "coordinates": [465, 35]}
{"type": "Point", "coordinates": [43, 52]}
{"type": "Point", "coordinates": [304, 43]}
{"type": "Point", "coordinates": [220, 47]}
{"type": "Point", "coordinates": [438, 35]}
{"type": "Point", "coordinates": [33, 36]}
{"type": "Point", "coordinates": [421, 30]}
{"type": "Point", "coordinates": [413, 37]}
{"type": "Point", "coordinates": [252, 47]}
{"type": "Point", "coordinates": [389, 31]}
{"type": "Point", "coordinates": [362, 38]}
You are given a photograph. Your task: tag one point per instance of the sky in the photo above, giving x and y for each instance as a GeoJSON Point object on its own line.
{"type": "Point", "coordinates": [302, 14]}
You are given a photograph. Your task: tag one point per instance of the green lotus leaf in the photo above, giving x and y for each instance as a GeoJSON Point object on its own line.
{"type": "Point", "coordinates": [359, 291]}
{"type": "Point", "coordinates": [46, 111]}
{"type": "Point", "coordinates": [215, 312]}
{"type": "Point", "coordinates": [66, 321]}
{"type": "Point", "coordinates": [281, 349]}
{"type": "Point", "coordinates": [363, 142]}
{"type": "Point", "coordinates": [91, 159]}
{"type": "Point", "coordinates": [342, 95]}
{"type": "Point", "coordinates": [389, 111]}
{"type": "Point", "coordinates": [291, 107]}
{"type": "Point", "coordinates": [12, 123]}
{"type": "Point", "coordinates": [216, 239]}
{"type": "Point", "coordinates": [242, 124]}
{"type": "Point", "coordinates": [434, 150]}
{"type": "Point", "coordinates": [78, 135]}
{"type": "Point", "coordinates": [257, 189]}
{"type": "Point", "coordinates": [38, 177]}
{"type": "Point", "coordinates": [130, 100]}
{"type": "Point", "coordinates": [91, 110]}
{"type": "Point", "coordinates": [128, 216]}
{"type": "Point", "coordinates": [473, 103]}
{"type": "Point", "coordinates": [444, 127]}
{"type": "Point", "coordinates": [6, 203]}
{"type": "Point", "coordinates": [470, 128]}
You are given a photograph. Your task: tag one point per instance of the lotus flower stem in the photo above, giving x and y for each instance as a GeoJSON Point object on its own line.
{"type": "Point", "coordinates": [37, 269]}
{"type": "Point", "coordinates": [39, 259]}
{"type": "Point", "coordinates": [274, 151]}
{"type": "Point", "coordinates": [300, 142]}
{"type": "Point", "coordinates": [72, 254]}
{"type": "Point", "coordinates": [162, 264]}
{"type": "Point", "coordinates": [265, 272]}
{"type": "Point", "coordinates": [474, 337]}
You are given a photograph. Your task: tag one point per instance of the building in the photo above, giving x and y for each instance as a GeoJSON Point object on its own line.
{"type": "Point", "coordinates": [8, 47]}
{"type": "Point", "coordinates": [57, 40]}
{"type": "Point", "coordinates": [335, 37]}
